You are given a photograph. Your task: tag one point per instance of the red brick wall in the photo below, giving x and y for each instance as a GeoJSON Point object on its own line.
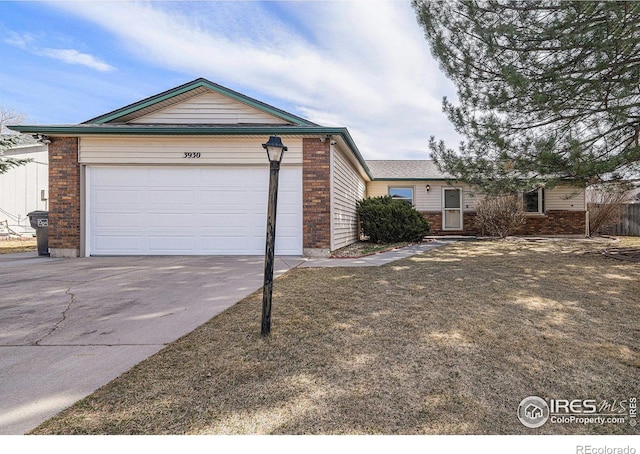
{"type": "Point", "coordinates": [555, 223]}
{"type": "Point", "coordinates": [316, 194]}
{"type": "Point", "coordinates": [435, 224]}
{"type": "Point", "coordinates": [435, 221]}
{"type": "Point", "coordinates": [64, 194]}
{"type": "Point", "coordinates": [552, 223]}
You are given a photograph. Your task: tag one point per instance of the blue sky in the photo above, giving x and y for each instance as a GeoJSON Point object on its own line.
{"type": "Point", "coordinates": [364, 65]}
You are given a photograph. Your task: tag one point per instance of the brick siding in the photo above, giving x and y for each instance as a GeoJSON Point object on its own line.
{"type": "Point", "coordinates": [316, 194]}
{"type": "Point", "coordinates": [559, 222]}
{"type": "Point", "coordinates": [555, 223]}
{"type": "Point", "coordinates": [64, 194]}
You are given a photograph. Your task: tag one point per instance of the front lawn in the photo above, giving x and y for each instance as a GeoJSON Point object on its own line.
{"type": "Point", "coordinates": [446, 342]}
{"type": "Point", "coordinates": [18, 245]}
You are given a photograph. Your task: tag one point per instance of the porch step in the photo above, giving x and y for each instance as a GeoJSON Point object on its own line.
{"type": "Point", "coordinates": [451, 237]}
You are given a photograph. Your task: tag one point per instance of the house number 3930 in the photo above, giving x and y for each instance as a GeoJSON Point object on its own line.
{"type": "Point", "coordinates": [191, 154]}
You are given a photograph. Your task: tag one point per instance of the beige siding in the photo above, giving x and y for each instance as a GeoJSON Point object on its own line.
{"type": "Point", "coordinates": [565, 198]}
{"type": "Point", "coordinates": [470, 198]}
{"type": "Point", "coordinates": [171, 150]}
{"type": "Point", "coordinates": [208, 108]}
{"type": "Point", "coordinates": [424, 200]}
{"type": "Point", "coordinates": [558, 198]}
{"type": "Point", "coordinates": [347, 188]}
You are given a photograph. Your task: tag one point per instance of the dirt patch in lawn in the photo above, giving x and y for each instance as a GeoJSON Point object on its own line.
{"type": "Point", "coordinates": [365, 248]}
{"type": "Point", "coordinates": [446, 342]}
{"type": "Point", "coordinates": [18, 245]}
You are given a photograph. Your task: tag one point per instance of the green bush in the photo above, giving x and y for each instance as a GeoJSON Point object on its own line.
{"type": "Point", "coordinates": [387, 220]}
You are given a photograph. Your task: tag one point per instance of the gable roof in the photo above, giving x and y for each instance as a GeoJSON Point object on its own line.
{"type": "Point", "coordinates": [119, 121]}
{"type": "Point", "coordinates": [186, 91]}
{"type": "Point", "coordinates": [406, 170]}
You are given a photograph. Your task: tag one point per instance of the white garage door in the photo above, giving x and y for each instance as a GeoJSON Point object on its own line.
{"type": "Point", "coordinates": [190, 210]}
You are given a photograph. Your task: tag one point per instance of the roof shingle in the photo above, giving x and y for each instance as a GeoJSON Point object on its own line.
{"type": "Point", "coordinates": [409, 169]}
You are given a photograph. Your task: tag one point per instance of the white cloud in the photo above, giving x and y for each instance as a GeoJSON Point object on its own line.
{"type": "Point", "coordinates": [360, 64]}
{"type": "Point", "coordinates": [73, 57]}
{"type": "Point", "coordinates": [21, 40]}
{"type": "Point", "coordinates": [29, 42]}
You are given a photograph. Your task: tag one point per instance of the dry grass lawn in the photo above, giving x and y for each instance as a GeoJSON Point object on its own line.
{"type": "Point", "coordinates": [21, 245]}
{"type": "Point", "coordinates": [446, 342]}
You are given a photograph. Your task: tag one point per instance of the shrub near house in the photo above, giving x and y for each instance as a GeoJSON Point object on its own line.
{"type": "Point", "coordinates": [387, 220]}
{"type": "Point", "coordinates": [500, 215]}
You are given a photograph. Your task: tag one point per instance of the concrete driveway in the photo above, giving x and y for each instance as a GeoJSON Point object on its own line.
{"type": "Point", "coordinates": [69, 326]}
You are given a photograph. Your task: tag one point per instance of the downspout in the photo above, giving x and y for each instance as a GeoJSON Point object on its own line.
{"type": "Point", "coordinates": [331, 191]}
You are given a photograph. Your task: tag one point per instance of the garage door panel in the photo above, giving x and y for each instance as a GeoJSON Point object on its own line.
{"type": "Point", "coordinates": [224, 231]}
{"type": "Point", "coordinates": [223, 197]}
{"type": "Point", "coordinates": [166, 177]}
{"type": "Point", "coordinates": [120, 176]}
{"type": "Point", "coordinates": [285, 221]}
{"type": "Point", "coordinates": [255, 176]}
{"type": "Point", "coordinates": [224, 245]}
{"type": "Point", "coordinates": [167, 244]}
{"type": "Point", "coordinates": [285, 232]}
{"type": "Point", "coordinates": [190, 210]}
{"type": "Point", "coordinates": [115, 220]}
{"type": "Point", "coordinates": [170, 199]}
{"type": "Point", "coordinates": [287, 197]}
{"type": "Point", "coordinates": [110, 197]}
{"type": "Point", "coordinates": [107, 244]}
{"type": "Point", "coordinates": [231, 221]}
{"type": "Point", "coordinates": [287, 244]}
{"type": "Point", "coordinates": [167, 220]}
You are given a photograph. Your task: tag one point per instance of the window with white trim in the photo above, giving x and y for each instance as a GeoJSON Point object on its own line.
{"type": "Point", "coordinates": [534, 201]}
{"type": "Point", "coordinates": [405, 194]}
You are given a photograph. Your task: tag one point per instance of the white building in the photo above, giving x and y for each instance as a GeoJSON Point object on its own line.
{"type": "Point", "coordinates": [25, 188]}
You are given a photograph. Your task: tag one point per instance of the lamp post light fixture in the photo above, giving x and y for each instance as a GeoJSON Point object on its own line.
{"type": "Point", "coordinates": [275, 150]}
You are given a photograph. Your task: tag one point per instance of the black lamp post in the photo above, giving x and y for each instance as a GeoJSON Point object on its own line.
{"type": "Point", "coordinates": [275, 150]}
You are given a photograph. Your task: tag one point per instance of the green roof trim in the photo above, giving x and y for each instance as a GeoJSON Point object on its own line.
{"type": "Point", "coordinates": [107, 124]}
{"type": "Point", "coordinates": [415, 179]}
{"type": "Point", "coordinates": [199, 130]}
{"type": "Point", "coordinates": [173, 130]}
{"type": "Point", "coordinates": [197, 83]}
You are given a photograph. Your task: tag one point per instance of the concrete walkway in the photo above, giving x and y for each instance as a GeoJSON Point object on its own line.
{"type": "Point", "coordinates": [379, 259]}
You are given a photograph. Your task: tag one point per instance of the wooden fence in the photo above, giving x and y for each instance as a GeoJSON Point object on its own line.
{"type": "Point", "coordinates": [629, 224]}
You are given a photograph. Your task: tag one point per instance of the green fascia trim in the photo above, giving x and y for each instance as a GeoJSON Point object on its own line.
{"type": "Point", "coordinates": [352, 145]}
{"type": "Point", "coordinates": [85, 129]}
{"type": "Point", "coordinates": [414, 179]}
{"type": "Point", "coordinates": [174, 130]}
{"type": "Point", "coordinates": [131, 108]}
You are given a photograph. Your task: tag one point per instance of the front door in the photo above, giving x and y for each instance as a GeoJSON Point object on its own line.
{"type": "Point", "coordinates": [452, 209]}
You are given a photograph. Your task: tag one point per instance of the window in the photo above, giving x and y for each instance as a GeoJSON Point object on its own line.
{"type": "Point", "coordinates": [534, 201]}
{"type": "Point", "coordinates": [405, 194]}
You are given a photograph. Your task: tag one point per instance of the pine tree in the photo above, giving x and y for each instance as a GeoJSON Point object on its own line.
{"type": "Point", "coordinates": [8, 140]}
{"type": "Point", "coordinates": [547, 90]}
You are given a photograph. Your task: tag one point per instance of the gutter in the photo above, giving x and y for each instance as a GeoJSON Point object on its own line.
{"type": "Point", "coordinates": [181, 130]}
